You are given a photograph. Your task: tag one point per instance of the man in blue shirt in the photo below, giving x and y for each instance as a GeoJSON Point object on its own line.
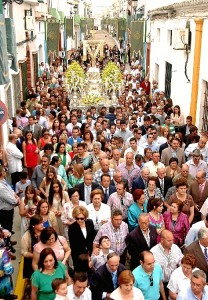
{"type": "Point", "coordinates": [148, 277]}
{"type": "Point", "coordinates": [198, 288]}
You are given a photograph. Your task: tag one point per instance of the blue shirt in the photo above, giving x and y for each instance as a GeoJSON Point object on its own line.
{"type": "Point", "coordinates": [142, 281]}
{"type": "Point", "coordinates": [133, 213]}
{"type": "Point", "coordinates": [189, 295]}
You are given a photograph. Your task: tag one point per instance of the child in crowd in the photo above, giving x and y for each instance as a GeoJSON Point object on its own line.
{"type": "Point", "coordinates": [101, 258]}
{"type": "Point", "coordinates": [60, 289]}
{"type": "Point", "coordinates": [22, 184]}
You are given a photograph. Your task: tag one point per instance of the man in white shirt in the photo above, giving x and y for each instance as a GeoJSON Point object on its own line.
{"type": "Point", "coordinates": [79, 290]}
{"type": "Point", "coordinates": [14, 159]}
{"type": "Point", "coordinates": [193, 232]}
{"type": "Point", "coordinates": [202, 145]}
{"type": "Point", "coordinates": [73, 123]}
{"type": "Point", "coordinates": [154, 164]}
{"type": "Point", "coordinates": [134, 148]}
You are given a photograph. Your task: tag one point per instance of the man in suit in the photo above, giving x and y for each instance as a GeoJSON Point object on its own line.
{"type": "Point", "coordinates": [166, 144]}
{"type": "Point", "coordinates": [199, 191]}
{"type": "Point", "coordinates": [163, 182]}
{"type": "Point", "coordinates": [105, 280]}
{"type": "Point", "coordinates": [35, 128]}
{"type": "Point", "coordinates": [141, 181]}
{"type": "Point", "coordinates": [185, 129]}
{"type": "Point", "coordinates": [86, 187]}
{"type": "Point", "coordinates": [146, 125]}
{"type": "Point", "coordinates": [116, 160]}
{"type": "Point", "coordinates": [199, 248]}
{"type": "Point", "coordinates": [173, 151]}
{"type": "Point", "coordinates": [106, 187]}
{"type": "Point", "coordinates": [136, 240]}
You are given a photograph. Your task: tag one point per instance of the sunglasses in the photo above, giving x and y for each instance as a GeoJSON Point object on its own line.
{"type": "Point", "coordinates": [81, 219]}
{"type": "Point", "coordinates": [151, 280]}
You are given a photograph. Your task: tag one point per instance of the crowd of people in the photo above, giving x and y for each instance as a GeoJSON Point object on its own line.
{"type": "Point", "coordinates": [113, 200]}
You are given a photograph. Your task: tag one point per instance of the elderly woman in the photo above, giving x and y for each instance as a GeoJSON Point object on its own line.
{"type": "Point", "coordinates": [182, 195]}
{"type": "Point", "coordinates": [152, 191]}
{"type": "Point", "coordinates": [139, 206]}
{"type": "Point", "coordinates": [173, 169]}
{"type": "Point", "coordinates": [96, 152]}
{"type": "Point", "coordinates": [177, 222]}
{"type": "Point", "coordinates": [99, 212]}
{"type": "Point", "coordinates": [181, 277]}
{"type": "Point", "coordinates": [49, 268]}
{"type": "Point", "coordinates": [126, 289]}
{"type": "Point", "coordinates": [81, 236]}
{"type": "Point", "coordinates": [50, 238]}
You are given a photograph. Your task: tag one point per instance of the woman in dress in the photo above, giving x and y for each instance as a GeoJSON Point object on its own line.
{"type": "Point", "coordinates": [139, 206]}
{"type": "Point", "coordinates": [57, 198]}
{"type": "Point", "coordinates": [99, 212]}
{"type": "Point", "coordinates": [6, 271]}
{"type": "Point", "coordinates": [45, 139]}
{"type": "Point", "coordinates": [180, 279]}
{"type": "Point", "coordinates": [28, 241]}
{"type": "Point", "coordinates": [30, 153]}
{"type": "Point", "coordinates": [177, 222]}
{"type": "Point", "coordinates": [77, 176]}
{"type": "Point", "coordinates": [152, 191]}
{"type": "Point", "coordinates": [50, 119]}
{"type": "Point", "coordinates": [63, 155]}
{"type": "Point", "coordinates": [27, 207]}
{"type": "Point", "coordinates": [50, 238]}
{"type": "Point", "coordinates": [88, 139]}
{"type": "Point", "coordinates": [46, 182]}
{"type": "Point", "coordinates": [49, 218]}
{"type": "Point", "coordinates": [176, 118]}
{"type": "Point", "coordinates": [83, 157]}
{"type": "Point", "coordinates": [155, 214]}
{"type": "Point", "coordinates": [55, 128]}
{"type": "Point", "coordinates": [81, 236]}
{"type": "Point", "coordinates": [173, 169]}
{"type": "Point", "coordinates": [49, 268]}
{"type": "Point", "coordinates": [182, 195]}
{"type": "Point", "coordinates": [126, 289]}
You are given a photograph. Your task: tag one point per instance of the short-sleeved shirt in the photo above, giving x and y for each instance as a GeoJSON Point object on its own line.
{"type": "Point", "coordinates": [43, 282]}
{"type": "Point", "coordinates": [142, 281]}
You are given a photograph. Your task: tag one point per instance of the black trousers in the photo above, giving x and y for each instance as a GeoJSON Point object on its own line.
{"type": "Point", "coordinates": [15, 178]}
{"type": "Point", "coordinates": [6, 219]}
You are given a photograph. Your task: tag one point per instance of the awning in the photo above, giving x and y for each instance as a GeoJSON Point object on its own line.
{"type": "Point", "coordinates": [4, 74]}
{"type": "Point", "coordinates": [54, 13]}
{"type": "Point", "coordinates": [11, 42]}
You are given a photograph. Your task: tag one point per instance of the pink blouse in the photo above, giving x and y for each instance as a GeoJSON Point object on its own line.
{"type": "Point", "coordinates": [57, 247]}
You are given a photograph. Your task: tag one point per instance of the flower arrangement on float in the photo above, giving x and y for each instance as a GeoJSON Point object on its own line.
{"type": "Point", "coordinates": [91, 99]}
{"type": "Point", "coordinates": [111, 77]}
{"type": "Point", "coordinates": [75, 76]}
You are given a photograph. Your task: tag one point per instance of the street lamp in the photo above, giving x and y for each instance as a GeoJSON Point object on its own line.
{"type": "Point", "coordinates": [4, 2]}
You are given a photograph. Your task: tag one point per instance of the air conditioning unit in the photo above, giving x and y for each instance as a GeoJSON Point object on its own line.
{"type": "Point", "coordinates": [180, 38]}
{"type": "Point", "coordinates": [29, 23]}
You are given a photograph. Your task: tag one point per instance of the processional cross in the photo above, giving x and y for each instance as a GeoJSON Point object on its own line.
{"type": "Point", "coordinates": [93, 47]}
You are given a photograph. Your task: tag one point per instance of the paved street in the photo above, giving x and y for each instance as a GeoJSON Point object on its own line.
{"type": "Point", "coordinates": [103, 35]}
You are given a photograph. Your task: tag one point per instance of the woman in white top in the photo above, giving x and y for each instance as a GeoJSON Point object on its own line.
{"type": "Point", "coordinates": [126, 289]}
{"type": "Point", "coordinates": [99, 212]}
{"type": "Point", "coordinates": [181, 277]}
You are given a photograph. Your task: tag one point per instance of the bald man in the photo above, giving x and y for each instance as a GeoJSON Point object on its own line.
{"type": "Point", "coordinates": [184, 175]}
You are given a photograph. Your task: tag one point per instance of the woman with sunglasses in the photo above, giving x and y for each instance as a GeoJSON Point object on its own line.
{"type": "Point", "coordinates": [30, 152]}
{"type": "Point", "coordinates": [45, 139]}
{"type": "Point", "coordinates": [81, 236]}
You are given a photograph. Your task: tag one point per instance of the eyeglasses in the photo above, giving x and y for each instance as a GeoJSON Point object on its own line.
{"type": "Point", "coordinates": [151, 280]}
{"type": "Point", "coordinates": [81, 219]}
{"type": "Point", "coordinates": [153, 132]}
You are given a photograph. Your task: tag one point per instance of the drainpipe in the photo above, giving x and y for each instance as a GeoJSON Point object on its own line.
{"type": "Point", "coordinates": [196, 68]}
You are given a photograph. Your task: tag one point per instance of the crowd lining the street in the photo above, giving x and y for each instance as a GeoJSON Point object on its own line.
{"type": "Point", "coordinates": [113, 201]}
